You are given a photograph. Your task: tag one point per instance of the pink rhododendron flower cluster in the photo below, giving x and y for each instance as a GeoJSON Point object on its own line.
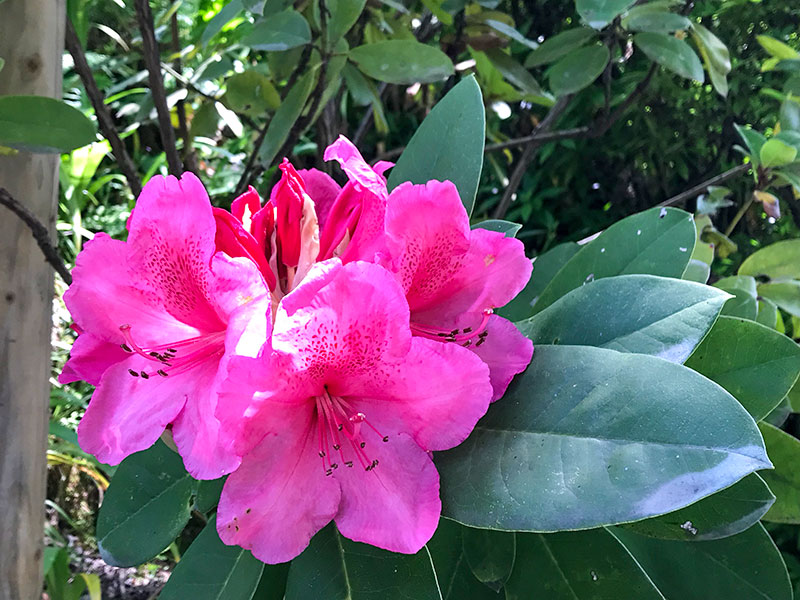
{"type": "Point", "coordinates": [317, 347]}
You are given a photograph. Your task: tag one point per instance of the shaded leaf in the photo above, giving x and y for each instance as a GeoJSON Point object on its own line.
{"type": "Point", "coordinates": [560, 45]}
{"type": "Point", "coordinates": [402, 62]}
{"type": "Point", "coordinates": [780, 260]}
{"type": "Point", "coordinates": [40, 124]}
{"type": "Point", "coordinates": [672, 53]}
{"type": "Point", "coordinates": [282, 31]}
{"type": "Point", "coordinates": [599, 13]}
{"type": "Point", "coordinates": [578, 69]}
{"type": "Point", "coordinates": [784, 480]}
{"type": "Point", "coordinates": [490, 555]}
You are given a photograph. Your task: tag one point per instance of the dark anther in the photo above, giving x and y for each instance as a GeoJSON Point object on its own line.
{"type": "Point", "coordinates": [154, 354]}
{"type": "Point", "coordinates": [248, 511]}
{"type": "Point", "coordinates": [349, 463]}
{"type": "Point", "coordinates": [386, 438]}
{"type": "Point", "coordinates": [162, 372]}
{"type": "Point", "coordinates": [363, 444]}
{"type": "Point", "coordinates": [321, 454]}
{"type": "Point", "coordinates": [336, 446]}
{"type": "Point", "coordinates": [236, 527]}
{"type": "Point", "coordinates": [335, 466]}
{"type": "Point", "coordinates": [328, 473]}
{"type": "Point", "coordinates": [144, 375]}
{"type": "Point", "coordinates": [133, 373]}
{"type": "Point", "coordinates": [126, 348]}
{"type": "Point", "coordinates": [467, 344]}
{"type": "Point", "coordinates": [480, 341]}
{"type": "Point", "coordinates": [443, 334]}
{"type": "Point", "coordinates": [454, 332]}
{"type": "Point", "coordinates": [467, 329]}
{"type": "Point", "coordinates": [171, 350]}
{"type": "Point", "coordinates": [339, 428]}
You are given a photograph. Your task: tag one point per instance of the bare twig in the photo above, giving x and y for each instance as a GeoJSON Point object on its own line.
{"type": "Point", "coordinates": [528, 154]}
{"type": "Point", "coordinates": [701, 187]}
{"type": "Point", "coordinates": [183, 126]}
{"type": "Point", "coordinates": [369, 116]}
{"type": "Point", "coordinates": [104, 120]}
{"type": "Point", "coordinates": [40, 234]}
{"type": "Point", "coordinates": [153, 63]}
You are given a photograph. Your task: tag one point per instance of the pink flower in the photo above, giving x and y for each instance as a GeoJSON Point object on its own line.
{"type": "Point", "coordinates": [159, 316]}
{"type": "Point", "coordinates": [336, 418]}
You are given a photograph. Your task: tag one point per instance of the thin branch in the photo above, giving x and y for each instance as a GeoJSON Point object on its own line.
{"type": "Point", "coordinates": [528, 154]}
{"type": "Point", "coordinates": [152, 61]}
{"type": "Point", "coordinates": [180, 107]}
{"type": "Point", "coordinates": [104, 120]}
{"type": "Point", "coordinates": [40, 234]}
{"type": "Point", "coordinates": [701, 187]}
{"type": "Point", "coordinates": [369, 116]}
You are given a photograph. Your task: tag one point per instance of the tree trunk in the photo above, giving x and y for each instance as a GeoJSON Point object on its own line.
{"type": "Point", "coordinates": [31, 42]}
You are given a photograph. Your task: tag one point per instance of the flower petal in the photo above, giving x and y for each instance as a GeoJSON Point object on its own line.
{"type": "Point", "coordinates": [358, 171]}
{"type": "Point", "coordinates": [506, 352]}
{"type": "Point", "coordinates": [89, 358]}
{"type": "Point", "coordinates": [279, 497]}
{"type": "Point", "coordinates": [323, 191]}
{"type": "Point", "coordinates": [394, 506]}
{"type": "Point", "coordinates": [232, 283]}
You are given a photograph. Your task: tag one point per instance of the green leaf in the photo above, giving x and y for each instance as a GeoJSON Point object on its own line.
{"type": "Point", "coordinates": [250, 93]}
{"type": "Point", "coordinates": [335, 568]}
{"type": "Point", "coordinates": [767, 313]}
{"type": "Point", "coordinates": [776, 48]}
{"type": "Point", "coordinates": [402, 62]}
{"type": "Point", "coordinates": [512, 33]}
{"type": "Point", "coordinates": [780, 260]}
{"type": "Point", "coordinates": [545, 268]}
{"type": "Point", "coordinates": [599, 13]}
{"type": "Point", "coordinates": [147, 504]}
{"type": "Point", "coordinates": [744, 303]}
{"type": "Point", "coordinates": [756, 364]}
{"type": "Point", "coordinates": [785, 294]}
{"type": "Point", "coordinates": [656, 242]}
{"type": "Point", "coordinates": [578, 69]}
{"type": "Point", "coordinates": [657, 22]}
{"type": "Point", "coordinates": [514, 72]}
{"type": "Point", "coordinates": [45, 125]}
{"type": "Point", "coordinates": [560, 45]}
{"type": "Point", "coordinates": [282, 31]}
{"type": "Point", "coordinates": [343, 15]}
{"type": "Point", "coordinates": [213, 571]}
{"type": "Point", "coordinates": [789, 115]}
{"type": "Point", "coordinates": [742, 567]}
{"type": "Point", "coordinates": [460, 119]}
{"type": "Point", "coordinates": [659, 316]}
{"type": "Point", "coordinates": [490, 555]}
{"type": "Point", "coordinates": [580, 565]}
{"type": "Point", "coordinates": [784, 480]}
{"type": "Point", "coordinates": [672, 53]}
{"type": "Point", "coordinates": [225, 15]}
{"type": "Point", "coordinates": [715, 55]}
{"type": "Point", "coordinates": [507, 228]}
{"type": "Point", "coordinates": [753, 140]}
{"type": "Point", "coordinates": [208, 493]}
{"type": "Point", "coordinates": [284, 118]}
{"type": "Point", "coordinates": [273, 582]}
{"type": "Point", "coordinates": [720, 515]}
{"type": "Point", "coordinates": [2, 63]}
{"type": "Point", "coordinates": [455, 578]}
{"type": "Point", "coordinates": [588, 436]}
{"type": "Point", "coordinates": [775, 153]}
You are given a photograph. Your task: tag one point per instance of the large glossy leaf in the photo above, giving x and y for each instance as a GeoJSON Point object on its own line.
{"type": "Point", "coordinates": [273, 582]}
{"type": "Point", "coordinates": [744, 303]}
{"type": "Point", "coordinates": [213, 571]}
{"type": "Point", "coordinates": [40, 124]}
{"type": "Point", "coordinates": [657, 22]}
{"type": "Point", "coordinates": [147, 504]}
{"type": "Point", "coordinates": [559, 45]}
{"type": "Point", "coordinates": [746, 566]}
{"type": "Point", "coordinates": [490, 555]}
{"type": "Point", "coordinates": [580, 565]}
{"type": "Point", "coordinates": [285, 30]}
{"type": "Point", "coordinates": [780, 260]}
{"type": "Point", "coordinates": [545, 268]}
{"type": "Point", "coordinates": [343, 15]}
{"type": "Point", "coordinates": [654, 242]}
{"type": "Point", "coordinates": [785, 294]}
{"type": "Point", "coordinates": [645, 314]}
{"type": "Point", "coordinates": [460, 119]}
{"type": "Point", "coordinates": [514, 72]}
{"type": "Point", "coordinates": [720, 515]}
{"type": "Point", "coordinates": [599, 13]}
{"type": "Point", "coordinates": [588, 436]}
{"type": "Point", "coordinates": [784, 480]}
{"type": "Point", "coordinates": [756, 364]}
{"type": "Point", "coordinates": [578, 69]}
{"type": "Point", "coordinates": [402, 61]}
{"type": "Point", "coordinates": [672, 53]}
{"type": "Point", "coordinates": [335, 568]}
{"type": "Point", "coordinates": [507, 228]}
{"type": "Point", "coordinates": [456, 581]}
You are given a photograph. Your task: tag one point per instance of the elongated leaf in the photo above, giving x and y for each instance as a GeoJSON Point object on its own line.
{"type": "Point", "coordinates": [282, 31]}
{"type": "Point", "coordinates": [335, 568]}
{"type": "Point", "coordinates": [655, 242]}
{"type": "Point", "coordinates": [784, 480]}
{"type": "Point", "coordinates": [775, 153]}
{"type": "Point", "coordinates": [40, 124]}
{"type": "Point", "coordinates": [580, 565]}
{"type": "Point", "coordinates": [672, 53]}
{"type": "Point", "coordinates": [777, 48]}
{"type": "Point", "coordinates": [785, 294]}
{"type": "Point", "coordinates": [720, 515]}
{"type": "Point", "coordinates": [590, 436]}
{"type": "Point", "coordinates": [213, 571]}
{"type": "Point", "coordinates": [631, 313]}
{"type": "Point", "coordinates": [746, 566]}
{"type": "Point", "coordinates": [777, 261]}
{"type": "Point", "coordinates": [514, 72]}
{"type": "Point", "coordinates": [284, 118]}
{"type": "Point", "coordinates": [490, 555]}
{"type": "Point", "coordinates": [507, 228]}
{"type": "Point", "coordinates": [273, 582]}
{"type": "Point", "coordinates": [402, 61]}
{"type": "Point", "coordinates": [208, 493]}
{"type": "Point", "coordinates": [599, 13]}
{"type": "Point", "coordinates": [343, 15]}
{"type": "Point", "coordinates": [578, 69]}
{"type": "Point", "coordinates": [455, 578]}
{"type": "Point", "coordinates": [460, 119]}
{"type": "Point", "coordinates": [225, 15]}
{"type": "Point", "coordinates": [509, 31]}
{"type": "Point", "coordinates": [657, 22]}
{"type": "Point", "coordinates": [147, 504]}
{"type": "Point", "coordinates": [715, 55]}
{"type": "Point", "coordinates": [560, 45]}
{"type": "Point", "coordinates": [756, 364]}
{"type": "Point", "coordinates": [753, 140]}
{"type": "Point", "coordinates": [545, 268]}
{"type": "Point", "coordinates": [744, 303]}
